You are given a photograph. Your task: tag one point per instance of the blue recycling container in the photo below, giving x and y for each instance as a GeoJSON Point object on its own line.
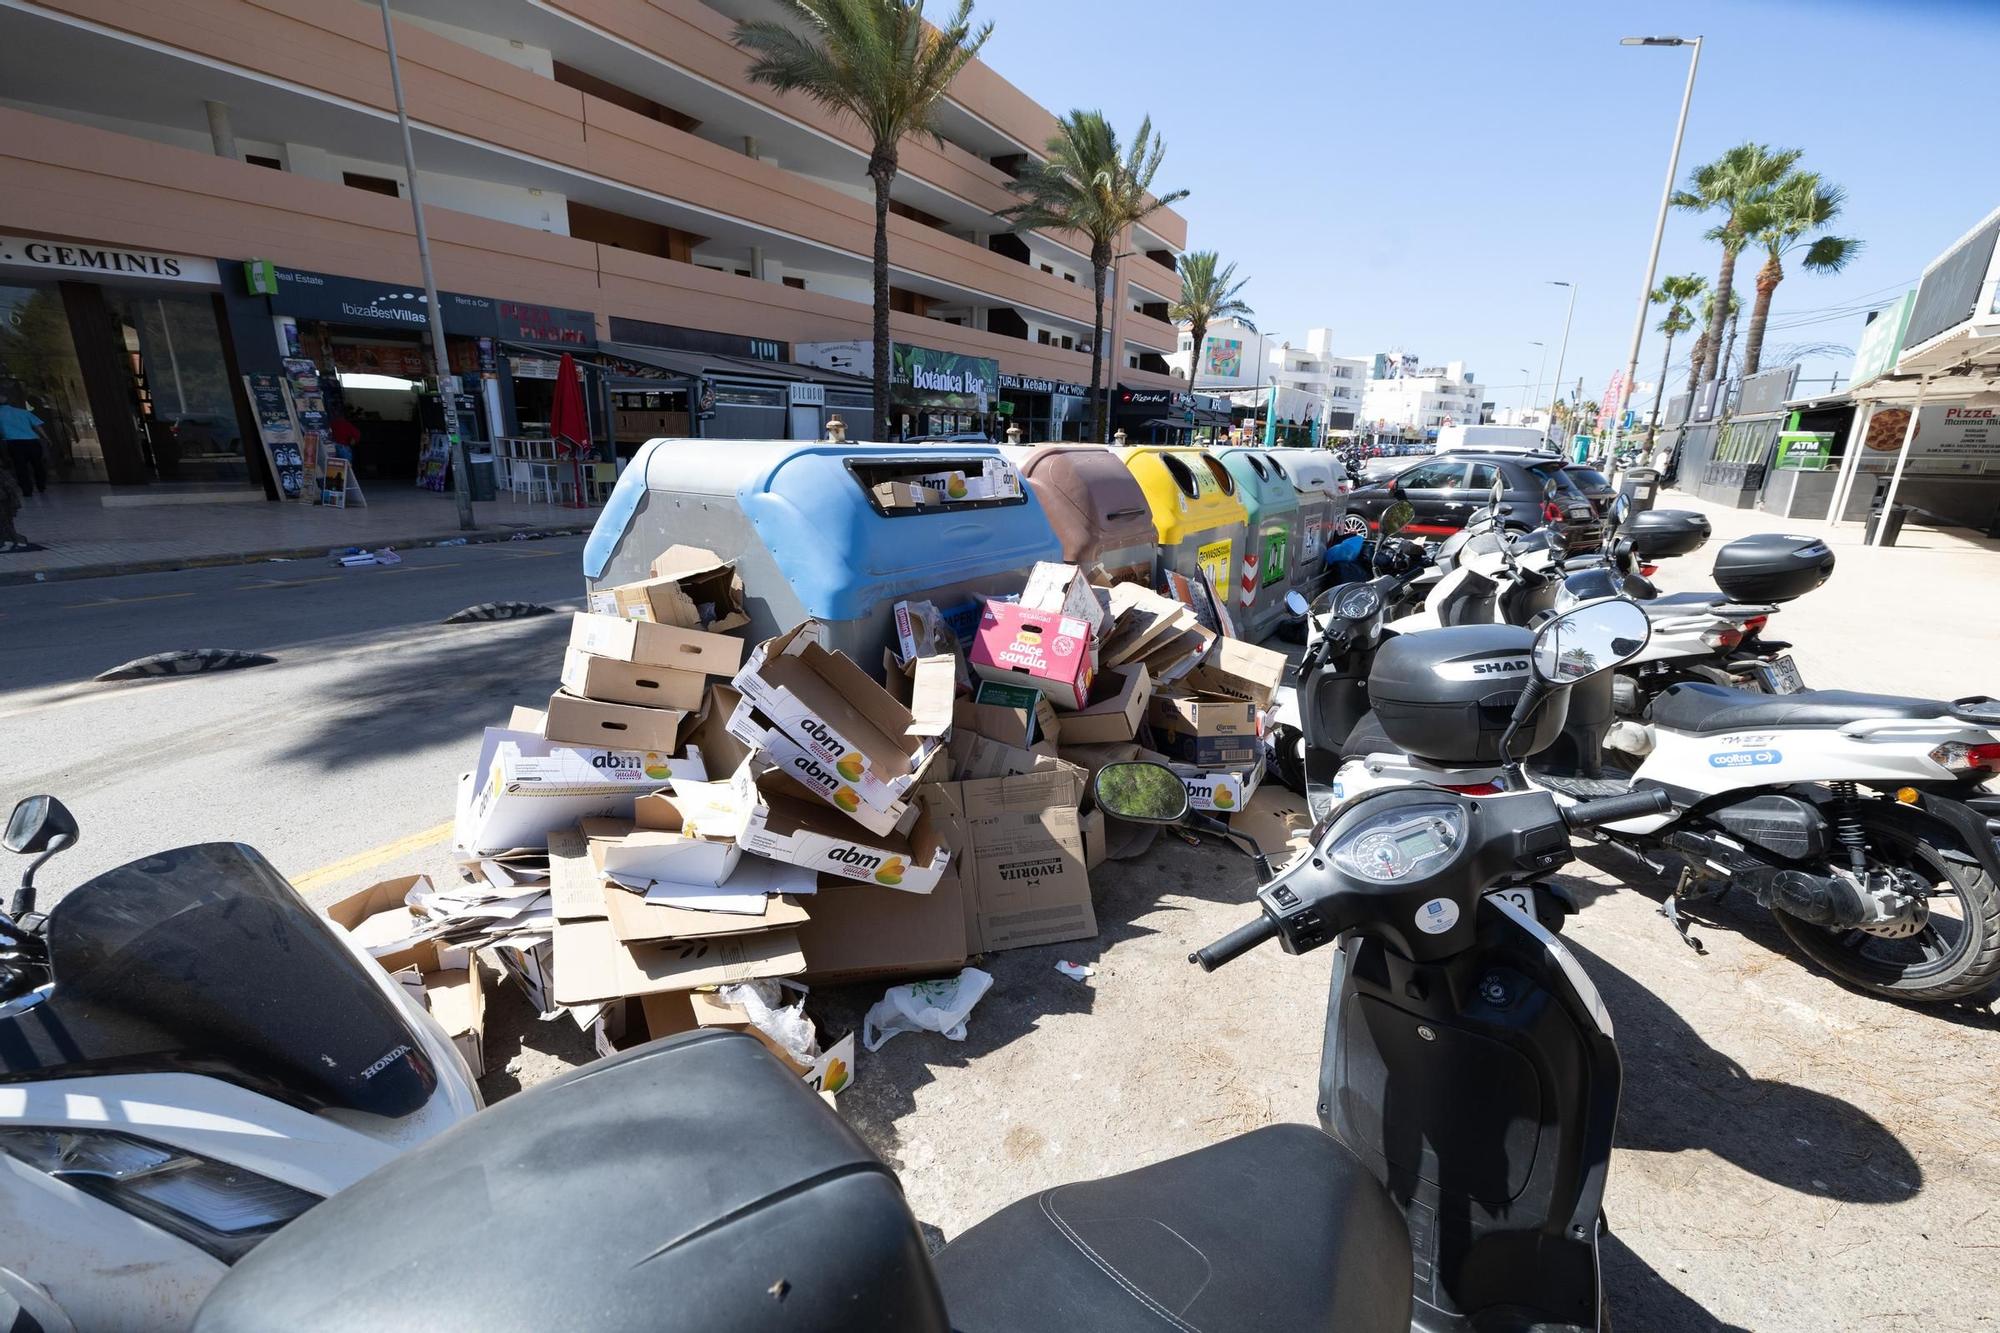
{"type": "Point", "coordinates": [812, 538]}
{"type": "Point", "coordinates": [1267, 569]}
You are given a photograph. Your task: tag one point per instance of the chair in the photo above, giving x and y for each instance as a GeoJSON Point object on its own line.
{"type": "Point", "coordinates": [598, 479]}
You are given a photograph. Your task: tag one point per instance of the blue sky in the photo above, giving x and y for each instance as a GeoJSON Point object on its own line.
{"type": "Point", "coordinates": [1490, 146]}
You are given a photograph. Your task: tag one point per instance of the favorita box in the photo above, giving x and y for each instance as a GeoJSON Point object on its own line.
{"type": "Point", "coordinates": [805, 834]}
{"type": "Point", "coordinates": [1024, 858]}
{"type": "Point", "coordinates": [612, 681]}
{"type": "Point", "coordinates": [1052, 653]}
{"type": "Point", "coordinates": [649, 644]}
{"type": "Point", "coordinates": [834, 711]}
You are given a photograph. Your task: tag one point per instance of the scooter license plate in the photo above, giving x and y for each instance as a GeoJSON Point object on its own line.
{"type": "Point", "coordinates": [1521, 898]}
{"type": "Point", "coordinates": [1781, 675]}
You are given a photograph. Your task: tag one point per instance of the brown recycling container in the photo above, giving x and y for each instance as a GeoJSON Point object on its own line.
{"type": "Point", "coordinates": [1097, 508]}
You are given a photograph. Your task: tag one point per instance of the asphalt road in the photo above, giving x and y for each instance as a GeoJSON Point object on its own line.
{"type": "Point", "coordinates": [337, 761]}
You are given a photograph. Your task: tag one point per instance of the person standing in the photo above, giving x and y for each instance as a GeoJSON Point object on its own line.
{"type": "Point", "coordinates": [24, 434]}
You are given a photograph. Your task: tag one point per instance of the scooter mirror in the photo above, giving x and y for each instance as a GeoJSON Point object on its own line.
{"type": "Point", "coordinates": [1397, 517]}
{"type": "Point", "coordinates": [1621, 509]}
{"type": "Point", "coordinates": [38, 824]}
{"type": "Point", "coordinates": [1499, 491]}
{"type": "Point", "coordinates": [1592, 638]}
{"type": "Point", "coordinates": [1143, 793]}
{"type": "Point", "coordinates": [1296, 604]}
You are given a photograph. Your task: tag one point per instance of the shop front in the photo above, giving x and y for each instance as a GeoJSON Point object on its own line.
{"type": "Point", "coordinates": [1047, 411]}
{"type": "Point", "coordinates": [125, 356]}
{"type": "Point", "coordinates": [1153, 416]}
{"type": "Point", "coordinates": [744, 388]}
{"type": "Point", "coordinates": [933, 394]}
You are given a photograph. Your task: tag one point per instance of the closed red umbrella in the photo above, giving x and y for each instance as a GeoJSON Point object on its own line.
{"type": "Point", "coordinates": [569, 422]}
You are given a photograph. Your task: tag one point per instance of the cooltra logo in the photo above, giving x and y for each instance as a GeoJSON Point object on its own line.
{"type": "Point", "coordinates": [1745, 758]}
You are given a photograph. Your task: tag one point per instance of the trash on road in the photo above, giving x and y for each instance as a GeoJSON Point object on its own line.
{"type": "Point", "coordinates": [925, 1006]}
{"type": "Point", "coordinates": [1076, 971]}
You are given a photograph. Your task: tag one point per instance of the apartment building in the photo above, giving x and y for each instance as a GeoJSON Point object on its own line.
{"type": "Point", "coordinates": [1314, 383]}
{"type": "Point", "coordinates": [204, 193]}
{"type": "Point", "coordinates": [1418, 399]}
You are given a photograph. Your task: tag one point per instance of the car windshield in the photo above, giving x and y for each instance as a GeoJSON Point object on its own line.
{"type": "Point", "coordinates": [204, 960]}
{"type": "Point", "coordinates": [1585, 476]}
{"type": "Point", "coordinates": [1562, 479]}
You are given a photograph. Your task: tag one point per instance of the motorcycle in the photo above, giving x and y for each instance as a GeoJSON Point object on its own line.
{"type": "Point", "coordinates": [1468, 1092]}
{"type": "Point", "coordinates": [1895, 891]}
{"type": "Point", "coordinates": [190, 1059]}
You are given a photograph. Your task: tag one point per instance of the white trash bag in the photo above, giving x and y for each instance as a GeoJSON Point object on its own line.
{"type": "Point", "coordinates": [786, 1024]}
{"type": "Point", "coordinates": [925, 1006]}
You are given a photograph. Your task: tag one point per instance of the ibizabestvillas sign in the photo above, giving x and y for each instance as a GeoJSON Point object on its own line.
{"type": "Point", "coordinates": [332, 299]}
{"type": "Point", "coordinates": [930, 378]}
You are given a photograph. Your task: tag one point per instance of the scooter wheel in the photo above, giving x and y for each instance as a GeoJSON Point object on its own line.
{"type": "Point", "coordinates": [1288, 753]}
{"type": "Point", "coordinates": [1955, 955]}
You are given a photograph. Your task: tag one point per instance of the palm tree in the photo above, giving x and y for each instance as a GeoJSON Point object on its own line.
{"type": "Point", "coordinates": [879, 62]}
{"type": "Point", "coordinates": [1674, 293]}
{"type": "Point", "coordinates": [1084, 183]}
{"type": "Point", "coordinates": [1208, 294]}
{"type": "Point", "coordinates": [1738, 184]}
{"type": "Point", "coordinates": [1797, 213]}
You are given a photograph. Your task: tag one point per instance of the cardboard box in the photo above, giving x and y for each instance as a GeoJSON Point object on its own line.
{"type": "Point", "coordinates": [650, 644]}
{"type": "Point", "coordinates": [1241, 671]}
{"type": "Point", "coordinates": [1052, 653]}
{"type": "Point", "coordinates": [523, 795]}
{"type": "Point", "coordinates": [691, 588]}
{"type": "Point", "coordinates": [862, 932]}
{"type": "Point", "coordinates": [636, 921]}
{"type": "Point", "coordinates": [835, 712]}
{"type": "Point", "coordinates": [648, 854]}
{"type": "Point", "coordinates": [1024, 859]}
{"type": "Point", "coordinates": [1062, 590]}
{"type": "Point", "coordinates": [574, 721]}
{"type": "Point", "coordinates": [712, 1011]}
{"type": "Point", "coordinates": [378, 900]}
{"type": "Point", "coordinates": [1140, 618]}
{"type": "Point", "coordinates": [976, 756]}
{"type": "Point", "coordinates": [996, 479]}
{"type": "Point", "coordinates": [708, 736]}
{"type": "Point", "coordinates": [1093, 838]}
{"type": "Point", "coordinates": [1119, 700]}
{"type": "Point", "coordinates": [803, 833]}
{"type": "Point", "coordinates": [639, 683]}
{"type": "Point", "coordinates": [747, 725]}
{"type": "Point", "coordinates": [905, 495]}
{"type": "Point", "coordinates": [1223, 791]}
{"type": "Point", "coordinates": [449, 980]}
{"type": "Point", "coordinates": [1208, 732]}
{"type": "Point", "coordinates": [456, 997]}
{"type": "Point", "coordinates": [625, 1023]}
{"type": "Point", "coordinates": [592, 965]}
{"type": "Point", "coordinates": [1011, 714]}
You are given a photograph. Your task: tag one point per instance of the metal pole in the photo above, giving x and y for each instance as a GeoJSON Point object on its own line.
{"type": "Point", "coordinates": [1902, 457]}
{"type": "Point", "coordinates": [1659, 232]}
{"type": "Point", "coordinates": [1850, 460]}
{"type": "Point", "coordinates": [1555, 389]}
{"type": "Point", "coordinates": [460, 468]}
{"type": "Point", "coordinates": [1538, 372]}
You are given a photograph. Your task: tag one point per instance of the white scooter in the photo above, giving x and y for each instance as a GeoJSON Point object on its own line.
{"type": "Point", "coordinates": [190, 1058]}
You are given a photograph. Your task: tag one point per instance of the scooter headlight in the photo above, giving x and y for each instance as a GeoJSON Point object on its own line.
{"type": "Point", "coordinates": [221, 1209]}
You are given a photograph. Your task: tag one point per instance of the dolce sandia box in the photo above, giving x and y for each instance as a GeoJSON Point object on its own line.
{"type": "Point", "coordinates": [834, 711]}
{"type": "Point", "coordinates": [787, 828]}
{"type": "Point", "coordinates": [1054, 653]}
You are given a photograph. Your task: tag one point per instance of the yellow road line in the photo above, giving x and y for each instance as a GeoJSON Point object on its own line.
{"type": "Point", "coordinates": [335, 871]}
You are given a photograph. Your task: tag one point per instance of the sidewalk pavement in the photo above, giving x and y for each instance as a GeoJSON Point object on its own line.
{"type": "Point", "coordinates": [1917, 618]}
{"type": "Point", "coordinates": [85, 538]}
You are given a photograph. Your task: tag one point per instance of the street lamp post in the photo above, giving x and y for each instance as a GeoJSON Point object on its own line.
{"type": "Point", "coordinates": [1524, 389]}
{"type": "Point", "coordinates": [1555, 389]}
{"type": "Point", "coordinates": [461, 477]}
{"type": "Point", "coordinates": [1660, 224]}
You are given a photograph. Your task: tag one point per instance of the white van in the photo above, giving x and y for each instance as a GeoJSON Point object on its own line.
{"type": "Point", "coordinates": [1494, 439]}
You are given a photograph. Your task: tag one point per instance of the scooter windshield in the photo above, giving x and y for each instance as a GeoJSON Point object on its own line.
{"type": "Point", "coordinates": [205, 960]}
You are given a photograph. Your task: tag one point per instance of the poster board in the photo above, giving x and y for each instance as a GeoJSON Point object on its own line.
{"type": "Point", "coordinates": [278, 431]}
{"type": "Point", "coordinates": [308, 412]}
{"type": "Point", "coordinates": [339, 487]}
{"type": "Point", "coordinates": [434, 461]}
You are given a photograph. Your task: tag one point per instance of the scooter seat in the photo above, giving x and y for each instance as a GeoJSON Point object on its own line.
{"type": "Point", "coordinates": [1684, 600]}
{"type": "Point", "coordinates": [1705, 709]}
{"type": "Point", "coordinates": [1279, 1229]}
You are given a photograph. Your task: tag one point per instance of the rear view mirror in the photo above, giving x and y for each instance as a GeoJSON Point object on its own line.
{"type": "Point", "coordinates": [1499, 491]}
{"type": "Point", "coordinates": [1621, 509]}
{"type": "Point", "coordinates": [1143, 793]}
{"type": "Point", "coordinates": [1397, 517]}
{"type": "Point", "coordinates": [38, 824]}
{"type": "Point", "coordinates": [1593, 637]}
{"type": "Point", "coordinates": [1296, 604]}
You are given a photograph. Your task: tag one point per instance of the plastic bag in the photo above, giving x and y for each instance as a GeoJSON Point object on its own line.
{"type": "Point", "coordinates": [786, 1024]}
{"type": "Point", "coordinates": [925, 1006]}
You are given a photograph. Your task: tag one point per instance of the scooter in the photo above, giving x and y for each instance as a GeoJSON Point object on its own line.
{"type": "Point", "coordinates": [190, 1059]}
{"type": "Point", "coordinates": [1468, 1093]}
{"type": "Point", "coordinates": [1896, 891]}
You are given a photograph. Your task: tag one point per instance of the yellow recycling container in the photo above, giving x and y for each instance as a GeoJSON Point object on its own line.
{"type": "Point", "coordinates": [1200, 520]}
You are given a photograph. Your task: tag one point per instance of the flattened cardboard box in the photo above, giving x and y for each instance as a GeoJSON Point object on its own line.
{"type": "Point", "coordinates": [836, 712]}
{"type": "Point", "coordinates": [575, 721]}
{"type": "Point", "coordinates": [1025, 860]}
{"type": "Point", "coordinates": [1061, 589]}
{"type": "Point", "coordinates": [1241, 671]}
{"type": "Point", "coordinates": [449, 977]}
{"type": "Point", "coordinates": [862, 932]}
{"type": "Point", "coordinates": [802, 833]}
{"type": "Point", "coordinates": [1121, 695]}
{"type": "Point", "coordinates": [754, 730]}
{"type": "Point", "coordinates": [592, 966]}
{"type": "Point", "coordinates": [690, 587]}
{"type": "Point", "coordinates": [649, 644]}
{"type": "Point", "coordinates": [611, 681]}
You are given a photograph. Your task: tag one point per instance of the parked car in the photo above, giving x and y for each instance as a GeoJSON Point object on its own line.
{"type": "Point", "coordinates": [1448, 489]}
{"type": "Point", "coordinates": [1382, 468]}
{"type": "Point", "coordinates": [1594, 484]}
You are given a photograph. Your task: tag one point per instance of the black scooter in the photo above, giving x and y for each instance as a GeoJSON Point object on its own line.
{"type": "Point", "coordinates": [1467, 1095]}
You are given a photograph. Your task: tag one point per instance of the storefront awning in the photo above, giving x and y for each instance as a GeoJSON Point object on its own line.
{"type": "Point", "coordinates": [715, 363]}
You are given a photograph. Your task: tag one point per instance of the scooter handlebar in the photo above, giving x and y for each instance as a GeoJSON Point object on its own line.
{"type": "Point", "coordinates": [1615, 809]}
{"type": "Point", "coordinates": [1236, 943]}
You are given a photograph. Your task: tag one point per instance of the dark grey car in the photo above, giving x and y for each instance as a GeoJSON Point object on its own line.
{"type": "Point", "coordinates": [1447, 489]}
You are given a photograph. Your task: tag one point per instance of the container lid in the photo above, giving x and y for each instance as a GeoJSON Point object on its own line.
{"type": "Point", "coordinates": [1188, 490]}
{"type": "Point", "coordinates": [1083, 486]}
{"type": "Point", "coordinates": [1456, 662]}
